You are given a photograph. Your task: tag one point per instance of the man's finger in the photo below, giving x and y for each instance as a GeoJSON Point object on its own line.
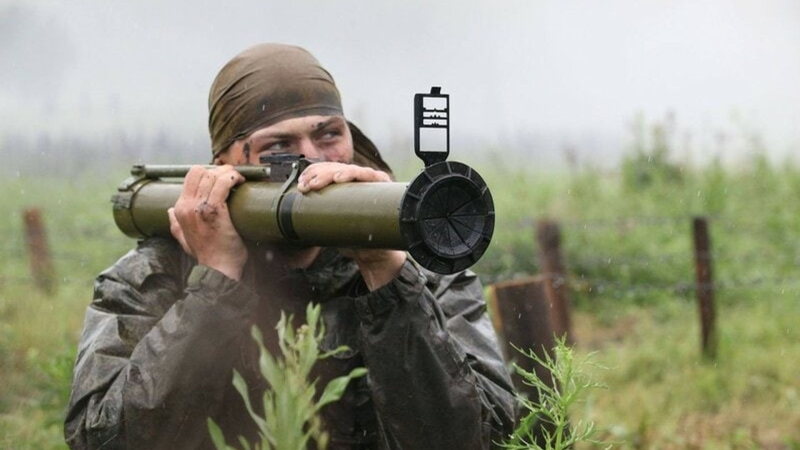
{"type": "Point", "coordinates": [191, 181]}
{"type": "Point", "coordinates": [205, 185]}
{"type": "Point", "coordinates": [352, 174]}
{"type": "Point", "coordinates": [223, 185]}
{"type": "Point", "coordinates": [319, 175]}
{"type": "Point", "coordinates": [315, 170]}
{"type": "Point", "coordinates": [360, 174]}
{"type": "Point", "coordinates": [315, 180]}
{"type": "Point", "coordinates": [176, 230]}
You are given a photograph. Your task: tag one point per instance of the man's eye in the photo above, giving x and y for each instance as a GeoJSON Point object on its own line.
{"type": "Point", "coordinates": [331, 134]}
{"type": "Point", "coordinates": [276, 147]}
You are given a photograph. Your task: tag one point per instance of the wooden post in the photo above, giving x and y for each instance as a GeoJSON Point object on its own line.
{"type": "Point", "coordinates": [521, 316]}
{"type": "Point", "coordinates": [548, 235]}
{"type": "Point", "coordinates": [705, 287]}
{"type": "Point", "coordinates": [41, 262]}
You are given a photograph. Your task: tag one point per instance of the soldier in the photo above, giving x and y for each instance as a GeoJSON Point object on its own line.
{"type": "Point", "coordinates": [170, 320]}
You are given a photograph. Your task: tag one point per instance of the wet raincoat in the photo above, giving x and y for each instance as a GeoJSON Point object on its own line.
{"type": "Point", "coordinates": [163, 335]}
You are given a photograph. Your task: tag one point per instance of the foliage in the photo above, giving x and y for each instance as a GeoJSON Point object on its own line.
{"type": "Point", "coordinates": [39, 332]}
{"type": "Point", "coordinates": [663, 394]}
{"type": "Point", "coordinates": [649, 163]}
{"type": "Point", "coordinates": [291, 416]}
{"type": "Point", "coordinates": [550, 411]}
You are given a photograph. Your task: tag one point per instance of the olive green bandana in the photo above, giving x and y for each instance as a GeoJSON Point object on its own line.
{"type": "Point", "coordinates": [268, 83]}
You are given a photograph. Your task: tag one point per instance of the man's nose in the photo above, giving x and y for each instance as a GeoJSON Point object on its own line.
{"type": "Point", "coordinates": [309, 150]}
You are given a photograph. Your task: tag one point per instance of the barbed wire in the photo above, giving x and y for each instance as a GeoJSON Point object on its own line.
{"type": "Point", "coordinates": [684, 258]}
{"type": "Point", "coordinates": [583, 261]}
{"type": "Point", "coordinates": [576, 282]}
{"type": "Point", "coordinates": [531, 222]}
{"type": "Point", "coordinates": [70, 257]}
{"type": "Point", "coordinates": [603, 285]}
{"type": "Point", "coordinates": [688, 257]}
{"type": "Point", "coordinates": [726, 222]}
{"type": "Point", "coordinates": [21, 280]}
{"type": "Point", "coordinates": [609, 261]}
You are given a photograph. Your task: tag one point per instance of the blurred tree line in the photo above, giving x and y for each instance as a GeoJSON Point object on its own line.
{"type": "Point", "coordinates": [75, 155]}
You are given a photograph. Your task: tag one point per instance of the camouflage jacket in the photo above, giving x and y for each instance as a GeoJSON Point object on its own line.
{"type": "Point", "coordinates": [162, 336]}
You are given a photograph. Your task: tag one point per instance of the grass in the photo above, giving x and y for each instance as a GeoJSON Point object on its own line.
{"type": "Point", "coordinates": [662, 394]}
{"type": "Point", "coordinates": [628, 249]}
{"type": "Point", "coordinates": [39, 332]}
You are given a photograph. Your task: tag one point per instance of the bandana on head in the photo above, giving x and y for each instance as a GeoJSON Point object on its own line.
{"type": "Point", "coordinates": [269, 83]}
{"type": "Point", "coordinates": [264, 85]}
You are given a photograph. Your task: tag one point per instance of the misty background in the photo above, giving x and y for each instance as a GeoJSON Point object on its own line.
{"type": "Point", "coordinates": [546, 82]}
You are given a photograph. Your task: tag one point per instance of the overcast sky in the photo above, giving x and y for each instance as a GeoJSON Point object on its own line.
{"type": "Point", "coordinates": [540, 74]}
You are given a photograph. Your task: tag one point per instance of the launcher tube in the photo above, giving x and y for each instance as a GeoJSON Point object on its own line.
{"type": "Point", "coordinates": [346, 215]}
{"type": "Point", "coordinates": [444, 217]}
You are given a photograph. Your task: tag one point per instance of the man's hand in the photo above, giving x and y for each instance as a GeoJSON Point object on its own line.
{"type": "Point", "coordinates": [318, 175]}
{"type": "Point", "coordinates": [378, 267]}
{"type": "Point", "coordinates": [201, 223]}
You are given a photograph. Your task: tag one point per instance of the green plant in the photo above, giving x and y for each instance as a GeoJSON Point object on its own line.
{"type": "Point", "coordinates": [649, 162]}
{"type": "Point", "coordinates": [548, 414]}
{"type": "Point", "coordinates": [291, 416]}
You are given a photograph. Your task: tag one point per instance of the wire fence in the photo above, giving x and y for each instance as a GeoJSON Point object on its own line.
{"type": "Point", "coordinates": [581, 267]}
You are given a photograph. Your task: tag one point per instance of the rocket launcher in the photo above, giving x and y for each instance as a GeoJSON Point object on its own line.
{"type": "Point", "coordinates": [444, 217]}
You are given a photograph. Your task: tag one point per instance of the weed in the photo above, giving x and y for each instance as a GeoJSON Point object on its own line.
{"type": "Point", "coordinates": [549, 413]}
{"type": "Point", "coordinates": [291, 416]}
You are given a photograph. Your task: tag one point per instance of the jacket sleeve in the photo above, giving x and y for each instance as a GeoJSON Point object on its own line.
{"type": "Point", "coordinates": [148, 348]}
{"type": "Point", "coordinates": [436, 373]}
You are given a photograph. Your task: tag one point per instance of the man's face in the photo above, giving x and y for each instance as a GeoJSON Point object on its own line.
{"type": "Point", "coordinates": [325, 138]}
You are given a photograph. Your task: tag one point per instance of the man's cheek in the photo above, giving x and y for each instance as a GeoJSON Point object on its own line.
{"type": "Point", "coordinates": [347, 157]}
{"type": "Point", "coordinates": [341, 155]}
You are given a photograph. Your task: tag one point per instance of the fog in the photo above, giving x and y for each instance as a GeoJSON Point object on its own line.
{"type": "Point", "coordinates": [527, 78]}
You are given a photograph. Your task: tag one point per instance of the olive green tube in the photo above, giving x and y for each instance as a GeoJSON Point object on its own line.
{"type": "Point", "coordinates": [444, 217]}
{"type": "Point", "coordinates": [354, 215]}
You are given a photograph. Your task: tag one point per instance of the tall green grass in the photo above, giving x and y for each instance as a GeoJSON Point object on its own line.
{"type": "Point", "coordinates": [38, 332]}
{"type": "Point", "coordinates": [291, 418]}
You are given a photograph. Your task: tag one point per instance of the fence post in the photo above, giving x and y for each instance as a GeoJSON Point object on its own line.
{"type": "Point", "coordinates": [41, 262]}
{"type": "Point", "coordinates": [548, 235]}
{"type": "Point", "coordinates": [521, 316]}
{"type": "Point", "coordinates": [705, 287]}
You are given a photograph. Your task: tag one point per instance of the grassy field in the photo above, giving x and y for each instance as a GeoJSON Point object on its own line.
{"type": "Point", "coordinates": [627, 244]}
